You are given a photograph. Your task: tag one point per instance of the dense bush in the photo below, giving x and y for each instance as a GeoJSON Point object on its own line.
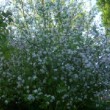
{"type": "Point", "coordinates": [57, 62]}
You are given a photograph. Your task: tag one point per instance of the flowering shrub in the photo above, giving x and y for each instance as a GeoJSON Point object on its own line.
{"type": "Point", "coordinates": [56, 62]}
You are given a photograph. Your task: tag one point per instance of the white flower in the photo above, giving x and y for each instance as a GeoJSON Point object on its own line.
{"type": "Point", "coordinates": [39, 89]}
{"type": "Point", "coordinates": [35, 91]}
{"type": "Point", "coordinates": [21, 19]}
{"type": "Point", "coordinates": [31, 97]}
{"type": "Point", "coordinates": [34, 77]}
{"type": "Point", "coordinates": [52, 98]}
{"type": "Point", "coordinates": [33, 55]}
{"type": "Point", "coordinates": [33, 28]}
{"type": "Point", "coordinates": [6, 101]}
{"type": "Point", "coordinates": [19, 78]}
{"type": "Point", "coordinates": [64, 96]}
{"type": "Point", "coordinates": [55, 70]}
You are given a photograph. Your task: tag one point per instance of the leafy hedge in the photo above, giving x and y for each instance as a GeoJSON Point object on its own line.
{"type": "Point", "coordinates": [55, 62]}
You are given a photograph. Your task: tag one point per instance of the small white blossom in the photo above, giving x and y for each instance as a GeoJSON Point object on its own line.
{"type": "Point", "coordinates": [35, 91]}
{"type": "Point", "coordinates": [6, 101]}
{"type": "Point", "coordinates": [31, 97]}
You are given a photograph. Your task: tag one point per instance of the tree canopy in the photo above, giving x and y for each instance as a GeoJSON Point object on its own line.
{"type": "Point", "coordinates": [104, 6]}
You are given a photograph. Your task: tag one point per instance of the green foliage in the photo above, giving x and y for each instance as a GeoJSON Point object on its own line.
{"type": "Point", "coordinates": [5, 18]}
{"type": "Point", "coordinates": [104, 6]}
